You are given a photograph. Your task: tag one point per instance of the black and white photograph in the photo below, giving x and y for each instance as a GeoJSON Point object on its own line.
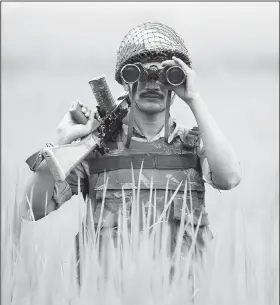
{"type": "Point", "coordinates": [140, 153]}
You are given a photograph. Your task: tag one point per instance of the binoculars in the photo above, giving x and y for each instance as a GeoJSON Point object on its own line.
{"type": "Point", "coordinates": [132, 73]}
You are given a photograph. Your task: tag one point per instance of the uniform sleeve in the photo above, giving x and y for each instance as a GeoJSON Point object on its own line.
{"type": "Point", "coordinates": [64, 190]}
{"type": "Point", "coordinates": [206, 171]}
{"type": "Point", "coordinates": [194, 141]}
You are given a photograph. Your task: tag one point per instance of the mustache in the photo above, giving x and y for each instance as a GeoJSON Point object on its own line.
{"type": "Point", "coordinates": [153, 92]}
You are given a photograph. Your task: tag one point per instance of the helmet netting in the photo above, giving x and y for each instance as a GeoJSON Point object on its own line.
{"type": "Point", "coordinates": [150, 42]}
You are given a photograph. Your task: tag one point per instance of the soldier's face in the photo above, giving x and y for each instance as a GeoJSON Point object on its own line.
{"type": "Point", "coordinates": [151, 95]}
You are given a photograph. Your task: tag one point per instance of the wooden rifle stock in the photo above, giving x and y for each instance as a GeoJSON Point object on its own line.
{"type": "Point", "coordinates": [62, 159]}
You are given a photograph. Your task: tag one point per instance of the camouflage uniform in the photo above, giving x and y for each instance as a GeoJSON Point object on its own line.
{"type": "Point", "coordinates": [183, 141]}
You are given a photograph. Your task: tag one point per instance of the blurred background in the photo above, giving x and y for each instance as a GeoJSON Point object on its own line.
{"type": "Point", "coordinates": [51, 50]}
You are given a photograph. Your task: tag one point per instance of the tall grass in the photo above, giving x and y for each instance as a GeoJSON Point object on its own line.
{"type": "Point", "coordinates": [133, 264]}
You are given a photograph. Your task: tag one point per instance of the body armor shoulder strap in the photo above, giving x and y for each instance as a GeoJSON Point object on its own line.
{"type": "Point", "coordinates": [192, 139]}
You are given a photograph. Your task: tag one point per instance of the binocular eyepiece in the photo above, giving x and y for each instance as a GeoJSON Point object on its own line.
{"type": "Point", "coordinates": [173, 75]}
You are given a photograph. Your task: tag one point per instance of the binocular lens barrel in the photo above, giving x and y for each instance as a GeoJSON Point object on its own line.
{"type": "Point", "coordinates": [130, 73]}
{"type": "Point", "coordinates": [175, 76]}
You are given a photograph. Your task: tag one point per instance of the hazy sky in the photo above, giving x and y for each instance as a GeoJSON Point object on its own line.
{"type": "Point", "coordinates": [81, 34]}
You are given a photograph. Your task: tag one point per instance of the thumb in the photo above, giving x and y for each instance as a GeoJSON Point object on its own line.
{"type": "Point", "coordinates": [92, 123]}
{"type": "Point", "coordinates": [87, 128]}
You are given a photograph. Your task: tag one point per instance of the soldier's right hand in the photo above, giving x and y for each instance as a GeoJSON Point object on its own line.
{"type": "Point", "coordinates": [69, 130]}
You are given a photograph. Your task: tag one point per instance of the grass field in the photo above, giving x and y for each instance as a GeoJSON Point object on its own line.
{"type": "Point", "coordinates": [39, 264]}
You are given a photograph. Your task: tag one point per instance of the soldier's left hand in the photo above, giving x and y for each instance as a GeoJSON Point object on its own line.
{"type": "Point", "coordinates": [187, 90]}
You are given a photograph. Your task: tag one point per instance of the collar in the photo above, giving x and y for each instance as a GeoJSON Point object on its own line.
{"type": "Point", "coordinates": [138, 135]}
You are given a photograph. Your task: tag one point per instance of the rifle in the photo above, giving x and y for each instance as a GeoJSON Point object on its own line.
{"type": "Point", "coordinates": [108, 121]}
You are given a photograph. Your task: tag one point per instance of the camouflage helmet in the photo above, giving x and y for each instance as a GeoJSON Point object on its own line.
{"type": "Point", "coordinates": [150, 41]}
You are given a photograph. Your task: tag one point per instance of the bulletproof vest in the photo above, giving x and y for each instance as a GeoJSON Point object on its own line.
{"type": "Point", "coordinates": [168, 163]}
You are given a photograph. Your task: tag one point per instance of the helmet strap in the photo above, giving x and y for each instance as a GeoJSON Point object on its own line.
{"type": "Point", "coordinates": [167, 116]}
{"type": "Point", "coordinates": [132, 90]}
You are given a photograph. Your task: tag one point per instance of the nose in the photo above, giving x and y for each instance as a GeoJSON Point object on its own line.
{"type": "Point", "coordinates": [152, 84]}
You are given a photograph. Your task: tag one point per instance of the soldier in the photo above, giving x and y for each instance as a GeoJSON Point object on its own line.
{"type": "Point", "coordinates": [200, 154]}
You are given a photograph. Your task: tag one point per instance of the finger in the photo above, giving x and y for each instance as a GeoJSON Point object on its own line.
{"type": "Point", "coordinates": [179, 62]}
{"type": "Point", "coordinates": [81, 104]}
{"type": "Point", "coordinates": [87, 113]}
{"type": "Point", "coordinates": [91, 117]}
{"type": "Point", "coordinates": [73, 105]}
{"type": "Point", "coordinates": [92, 123]}
{"type": "Point", "coordinates": [168, 63]}
{"type": "Point", "coordinates": [84, 109]}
